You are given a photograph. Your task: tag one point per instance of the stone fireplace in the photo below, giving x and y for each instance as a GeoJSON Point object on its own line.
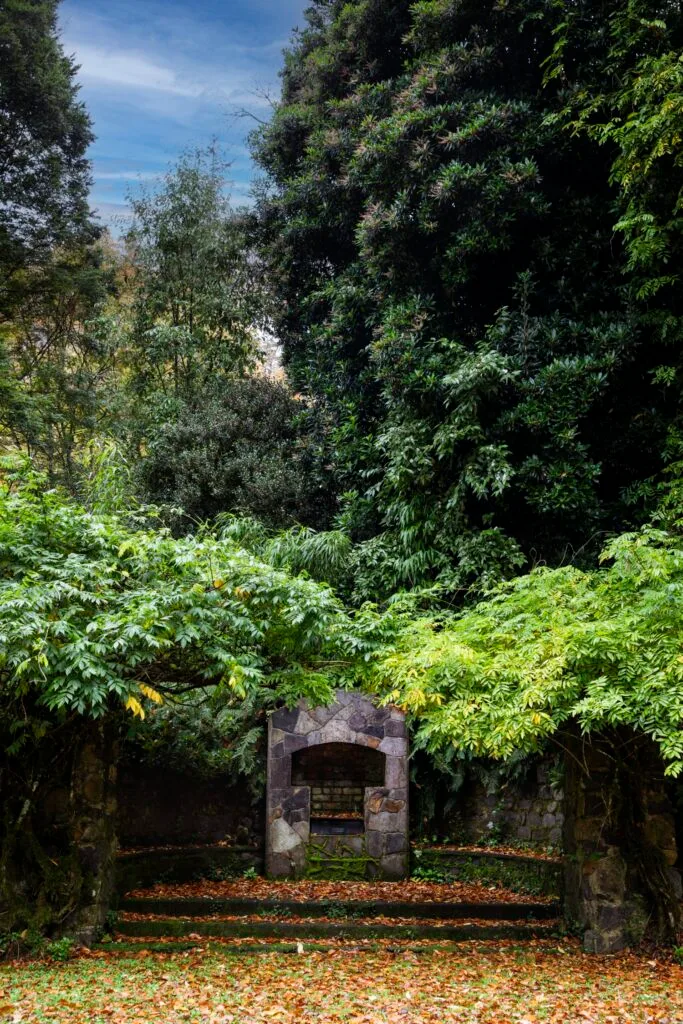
{"type": "Point", "coordinates": [337, 797]}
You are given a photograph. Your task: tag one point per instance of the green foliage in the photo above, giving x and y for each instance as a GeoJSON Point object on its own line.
{"type": "Point", "coordinates": [238, 448]}
{"type": "Point", "coordinates": [486, 392]}
{"type": "Point", "coordinates": [428, 872]}
{"type": "Point", "coordinates": [484, 380]}
{"type": "Point", "coordinates": [58, 375]}
{"type": "Point", "coordinates": [31, 942]}
{"type": "Point", "coordinates": [51, 277]}
{"type": "Point", "coordinates": [335, 859]}
{"type": "Point", "coordinates": [60, 950]}
{"type": "Point", "coordinates": [101, 612]}
{"type": "Point", "coordinates": [328, 556]}
{"type": "Point", "coordinates": [93, 611]}
{"type": "Point", "coordinates": [205, 427]}
{"type": "Point", "coordinates": [14, 943]}
{"type": "Point", "coordinates": [210, 733]}
{"type": "Point", "coordinates": [106, 483]}
{"type": "Point", "coordinates": [198, 298]}
{"type": "Point", "coordinates": [44, 134]}
{"type": "Point", "coordinates": [537, 878]}
{"type": "Point", "coordinates": [623, 75]}
{"type": "Point", "coordinates": [552, 649]}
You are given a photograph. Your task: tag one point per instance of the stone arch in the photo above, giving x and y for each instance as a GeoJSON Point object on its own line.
{"type": "Point", "coordinates": [353, 721]}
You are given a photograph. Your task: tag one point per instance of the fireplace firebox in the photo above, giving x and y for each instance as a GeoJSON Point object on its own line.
{"type": "Point", "coordinates": [337, 777]}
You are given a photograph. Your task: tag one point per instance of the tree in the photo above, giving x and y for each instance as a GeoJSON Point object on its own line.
{"type": "Point", "coordinates": [52, 278]}
{"type": "Point", "coordinates": [105, 615]}
{"type": "Point", "coordinates": [550, 648]}
{"type": "Point", "coordinates": [96, 611]}
{"type": "Point", "coordinates": [198, 298]}
{"type": "Point", "coordinates": [240, 449]}
{"type": "Point", "coordinates": [557, 655]}
{"type": "Point", "coordinates": [451, 294]}
{"type": "Point", "coordinates": [60, 375]}
{"type": "Point", "coordinates": [44, 134]}
{"type": "Point", "coordinates": [210, 433]}
{"type": "Point", "coordinates": [624, 88]}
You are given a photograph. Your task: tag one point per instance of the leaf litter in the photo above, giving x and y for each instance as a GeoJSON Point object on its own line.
{"type": "Point", "coordinates": [305, 890]}
{"type": "Point", "coordinates": [378, 919]}
{"type": "Point", "coordinates": [539, 982]}
{"type": "Point", "coordinates": [500, 850]}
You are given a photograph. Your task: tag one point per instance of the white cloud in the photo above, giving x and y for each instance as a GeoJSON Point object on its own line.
{"type": "Point", "coordinates": [126, 175]}
{"type": "Point", "coordinates": [134, 71]}
{"type": "Point", "coordinates": [162, 75]}
{"type": "Point", "coordinates": [129, 69]}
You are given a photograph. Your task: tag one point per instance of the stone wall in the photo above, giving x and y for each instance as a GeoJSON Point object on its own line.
{"type": "Point", "coordinates": [621, 875]}
{"type": "Point", "coordinates": [93, 833]}
{"type": "Point", "coordinates": [525, 813]}
{"type": "Point", "coordinates": [354, 721]}
{"type": "Point", "coordinates": [158, 807]}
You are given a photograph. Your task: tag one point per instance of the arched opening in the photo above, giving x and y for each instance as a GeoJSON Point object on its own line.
{"type": "Point", "coordinates": [337, 774]}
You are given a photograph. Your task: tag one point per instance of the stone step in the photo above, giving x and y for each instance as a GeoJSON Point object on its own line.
{"type": "Point", "coordinates": [230, 947]}
{"type": "Point", "coordinates": [227, 928]}
{"type": "Point", "coordinates": [227, 946]}
{"type": "Point", "coordinates": [176, 865]}
{"type": "Point", "coordinates": [202, 906]}
{"type": "Point", "coordinates": [518, 872]}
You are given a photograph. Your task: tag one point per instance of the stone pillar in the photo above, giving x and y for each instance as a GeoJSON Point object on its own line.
{"type": "Point", "coordinates": [610, 849]}
{"type": "Point", "coordinates": [386, 808]}
{"type": "Point", "coordinates": [352, 719]}
{"type": "Point", "coordinates": [93, 803]}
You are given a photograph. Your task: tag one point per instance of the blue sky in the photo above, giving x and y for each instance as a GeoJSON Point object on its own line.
{"type": "Point", "coordinates": [160, 75]}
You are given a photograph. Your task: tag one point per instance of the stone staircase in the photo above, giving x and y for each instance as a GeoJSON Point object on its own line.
{"type": "Point", "coordinates": [154, 920]}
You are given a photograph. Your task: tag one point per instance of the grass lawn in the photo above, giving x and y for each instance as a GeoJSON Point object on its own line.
{"type": "Point", "coordinates": [474, 984]}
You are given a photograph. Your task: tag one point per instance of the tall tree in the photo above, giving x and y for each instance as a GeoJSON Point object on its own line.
{"type": "Point", "coordinates": [44, 134]}
{"type": "Point", "coordinates": [212, 433]}
{"type": "Point", "coordinates": [451, 291]}
{"type": "Point", "coordinates": [198, 299]}
{"type": "Point", "coordinates": [51, 275]}
{"type": "Point", "coordinates": [59, 376]}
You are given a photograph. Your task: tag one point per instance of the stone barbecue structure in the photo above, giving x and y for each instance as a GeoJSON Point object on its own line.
{"type": "Point", "coordinates": [337, 795]}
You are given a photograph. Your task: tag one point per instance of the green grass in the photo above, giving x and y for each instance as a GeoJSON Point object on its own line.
{"type": "Point", "coordinates": [478, 983]}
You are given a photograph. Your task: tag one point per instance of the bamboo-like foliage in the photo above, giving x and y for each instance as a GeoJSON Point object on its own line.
{"type": "Point", "coordinates": [97, 610]}
{"type": "Point", "coordinates": [553, 650]}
